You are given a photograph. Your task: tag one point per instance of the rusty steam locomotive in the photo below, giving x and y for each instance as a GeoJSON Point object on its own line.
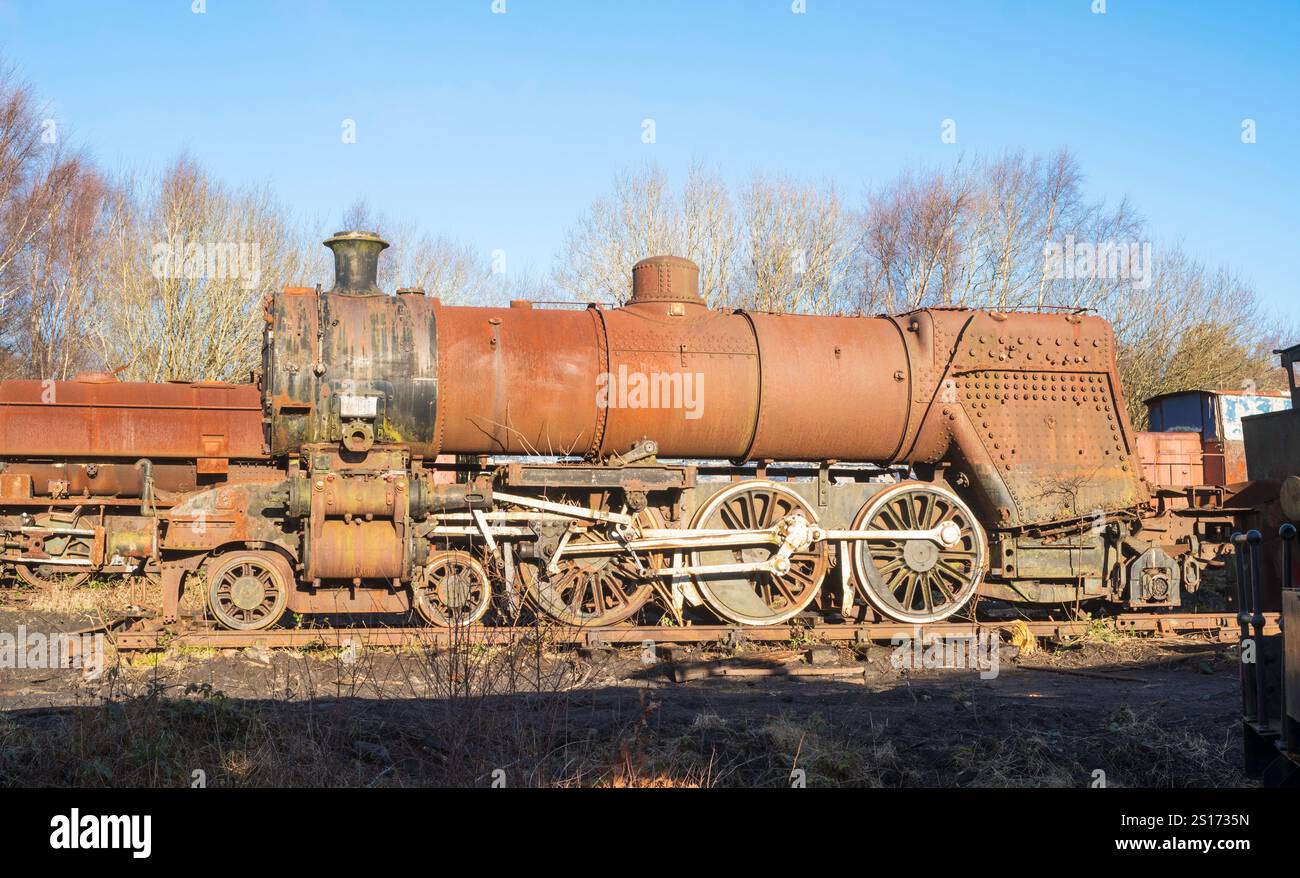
{"type": "Point", "coordinates": [589, 464]}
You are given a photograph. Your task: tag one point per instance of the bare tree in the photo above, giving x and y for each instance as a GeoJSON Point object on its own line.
{"type": "Point", "coordinates": [915, 246]}
{"type": "Point", "coordinates": [709, 232]}
{"type": "Point", "coordinates": [22, 158]}
{"type": "Point", "coordinates": [780, 246]}
{"type": "Point", "coordinates": [48, 202]}
{"type": "Point", "coordinates": [187, 262]}
{"type": "Point", "coordinates": [645, 217]}
{"type": "Point", "coordinates": [975, 235]}
{"type": "Point", "coordinates": [796, 251]}
{"type": "Point", "coordinates": [57, 272]}
{"type": "Point", "coordinates": [982, 234]}
{"type": "Point", "coordinates": [1195, 329]}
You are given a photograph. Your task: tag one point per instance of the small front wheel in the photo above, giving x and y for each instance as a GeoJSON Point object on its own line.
{"type": "Point", "coordinates": [248, 591]}
{"type": "Point", "coordinates": [455, 592]}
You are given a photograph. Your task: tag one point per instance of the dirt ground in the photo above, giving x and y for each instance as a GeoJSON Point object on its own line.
{"type": "Point", "coordinates": [1131, 712]}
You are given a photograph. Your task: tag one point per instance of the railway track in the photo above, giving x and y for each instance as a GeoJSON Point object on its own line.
{"type": "Point", "coordinates": [136, 635]}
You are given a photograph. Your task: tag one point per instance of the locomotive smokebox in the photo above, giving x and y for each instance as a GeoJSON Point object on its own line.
{"type": "Point", "coordinates": [352, 364]}
{"type": "Point", "coordinates": [356, 262]}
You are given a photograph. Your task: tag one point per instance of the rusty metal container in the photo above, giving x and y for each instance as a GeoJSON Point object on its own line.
{"type": "Point", "coordinates": [331, 358]}
{"type": "Point", "coordinates": [24, 479]}
{"type": "Point", "coordinates": [675, 371]}
{"type": "Point", "coordinates": [346, 496]}
{"type": "Point", "coordinates": [100, 417]}
{"type": "Point", "coordinates": [131, 537]}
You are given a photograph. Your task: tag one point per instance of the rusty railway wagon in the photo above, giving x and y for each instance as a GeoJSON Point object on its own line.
{"type": "Point", "coordinates": [594, 465]}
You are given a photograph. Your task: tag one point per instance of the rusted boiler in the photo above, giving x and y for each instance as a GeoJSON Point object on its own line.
{"type": "Point", "coordinates": [1021, 400]}
{"type": "Point", "coordinates": [663, 457]}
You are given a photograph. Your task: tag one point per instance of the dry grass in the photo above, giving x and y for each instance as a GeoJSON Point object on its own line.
{"type": "Point", "coordinates": [1022, 638]}
{"type": "Point", "coordinates": [1103, 630]}
{"type": "Point", "coordinates": [142, 731]}
{"type": "Point", "coordinates": [1147, 752]}
{"type": "Point", "coordinates": [499, 717]}
{"type": "Point", "coordinates": [101, 598]}
{"type": "Point", "coordinates": [522, 712]}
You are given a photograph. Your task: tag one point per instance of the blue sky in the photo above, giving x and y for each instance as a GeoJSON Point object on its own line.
{"type": "Point", "coordinates": [500, 129]}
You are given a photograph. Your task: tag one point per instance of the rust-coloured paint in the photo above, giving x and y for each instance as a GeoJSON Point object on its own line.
{"type": "Point", "coordinates": [348, 600]}
{"type": "Point", "coordinates": [1230, 456]}
{"type": "Point", "coordinates": [361, 497]}
{"type": "Point", "coordinates": [329, 355]}
{"type": "Point", "coordinates": [1028, 406]}
{"type": "Point", "coordinates": [226, 515]}
{"type": "Point", "coordinates": [97, 479]}
{"type": "Point", "coordinates": [106, 419]}
{"type": "Point", "coordinates": [132, 537]}
{"type": "Point", "coordinates": [679, 374]}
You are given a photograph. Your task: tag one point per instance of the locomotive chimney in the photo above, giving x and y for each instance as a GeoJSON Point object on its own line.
{"type": "Point", "coordinates": [356, 262]}
{"type": "Point", "coordinates": [666, 279]}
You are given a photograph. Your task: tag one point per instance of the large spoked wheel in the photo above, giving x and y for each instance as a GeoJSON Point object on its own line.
{"type": "Point", "coordinates": [760, 598]}
{"type": "Point", "coordinates": [594, 590]}
{"type": "Point", "coordinates": [918, 581]}
{"type": "Point", "coordinates": [248, 591]}
{"type": "Point", "coordinates": [455, 592]}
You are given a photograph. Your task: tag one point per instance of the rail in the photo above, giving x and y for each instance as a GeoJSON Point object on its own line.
{"type": "Point", "coordinates": [149, 636]}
